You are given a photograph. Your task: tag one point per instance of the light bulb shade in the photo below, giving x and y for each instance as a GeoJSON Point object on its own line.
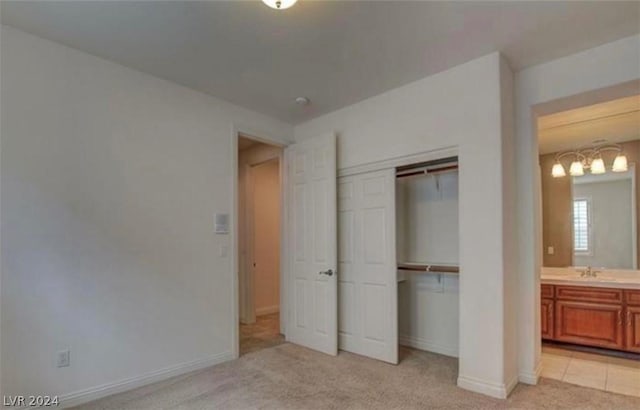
{"type": "Point", "coordinates": [279, 4]}
{"type": "Point", "coordinates": [576, 169]}
{"type": "Point", "coordinates": [558, 170]}
{"type": "Point", "coordinates": [620, 164]}
{"type": "Point", "coordinates": [597, 166]}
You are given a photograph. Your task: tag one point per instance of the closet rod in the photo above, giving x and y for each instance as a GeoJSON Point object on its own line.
{"type": "Point", "coordinates": [426, 171]}
{"type": "Point", "coordinates": [429, 268]}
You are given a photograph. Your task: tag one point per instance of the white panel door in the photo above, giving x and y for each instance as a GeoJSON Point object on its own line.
{"type": "Point", "coordinates": [312, 244]}
{"type": "Point", "coordinates": [367, 286]}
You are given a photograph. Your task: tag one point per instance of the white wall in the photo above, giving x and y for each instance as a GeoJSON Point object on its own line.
{"type": "Point", "coordinates": [509, 223]}
{"type": "Point", "coordinates": [611, 222]}
{"type": "Point", "coordinates": [458, 107]}
{"type": "Point", "coordinates": [110, 179]}
{"type": "Point", "coordinates": [599, 67]}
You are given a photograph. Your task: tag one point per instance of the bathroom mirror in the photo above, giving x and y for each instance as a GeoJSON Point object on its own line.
{"type": "Point", "coordinates": [604, 216]}
{"type": "Point", "coordinates": [588, 179]}
{"type": "Point", "coordinates": [591, 219]}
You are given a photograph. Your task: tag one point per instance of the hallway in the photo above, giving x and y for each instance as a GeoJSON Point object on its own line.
{"type": "Point", "coordinates": [265, 332]}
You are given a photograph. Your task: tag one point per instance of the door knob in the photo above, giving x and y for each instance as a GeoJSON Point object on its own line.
{"type": "Point", "coordinates": [328, 272]}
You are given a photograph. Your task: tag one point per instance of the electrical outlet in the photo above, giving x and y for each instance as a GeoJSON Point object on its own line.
{"type": "Point", "coordinates": [63, 358]}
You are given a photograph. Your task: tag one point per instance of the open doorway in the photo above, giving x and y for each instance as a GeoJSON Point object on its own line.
{"type": "Point", "coordinates": [259, 240]}
{"type": "Point", "coordinates": [589, 151]}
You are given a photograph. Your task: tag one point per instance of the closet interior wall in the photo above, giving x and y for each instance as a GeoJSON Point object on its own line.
{"type": "Point", "coordinates": [427, 233]}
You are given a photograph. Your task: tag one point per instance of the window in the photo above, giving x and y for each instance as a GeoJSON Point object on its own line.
{"type": "Point", "coordinates": [581, 225]}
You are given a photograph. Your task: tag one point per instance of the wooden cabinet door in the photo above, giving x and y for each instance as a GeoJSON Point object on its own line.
{"type": "Point", "coordinates": [592, 324]}
{"type": "Point", "coordinates": [633, 328]}
{"type": "Point", "coordinates": [546, 318]}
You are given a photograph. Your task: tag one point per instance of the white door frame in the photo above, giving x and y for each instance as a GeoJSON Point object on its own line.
{"type": "Point", "coordinates": [236, 132]}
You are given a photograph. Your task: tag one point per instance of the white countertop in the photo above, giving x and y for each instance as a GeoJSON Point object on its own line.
{"type": "Point", "coordinates": [607, 278]}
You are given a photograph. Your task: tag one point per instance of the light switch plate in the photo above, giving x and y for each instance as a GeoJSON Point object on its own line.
{"type": "Point", "coordinates": [63, 358]}
{"type": "Point", "coordinates": [551, 250]}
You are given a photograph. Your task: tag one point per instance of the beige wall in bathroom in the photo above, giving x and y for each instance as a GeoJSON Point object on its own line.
{"type": "Point", "coordinates": [556, 206]}
{"type": "Point", "coordinates": [556, 215]}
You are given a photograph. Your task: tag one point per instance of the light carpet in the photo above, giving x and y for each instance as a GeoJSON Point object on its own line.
{"type": "Point", "coordinates": [292, 377]}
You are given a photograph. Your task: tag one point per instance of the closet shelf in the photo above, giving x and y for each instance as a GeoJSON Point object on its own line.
{"type": "Point", "coordinates": [414, 267]}
{"type": "Point", "coordinates": [409, 172]}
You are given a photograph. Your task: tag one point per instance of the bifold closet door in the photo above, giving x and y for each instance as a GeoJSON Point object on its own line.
{"type": "Point", "coordinates": [367, 285]}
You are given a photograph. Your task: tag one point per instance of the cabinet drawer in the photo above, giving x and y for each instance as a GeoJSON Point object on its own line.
{"type": "Point", "coordinates": [632, 297]}
{"type": "Point", "coordinates": [589, 294]}
{"type": "Point", "coordinates": [546, 291]}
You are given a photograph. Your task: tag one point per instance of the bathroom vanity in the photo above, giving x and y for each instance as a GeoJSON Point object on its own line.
{"type": "Point", "coordinates": [601, 311]}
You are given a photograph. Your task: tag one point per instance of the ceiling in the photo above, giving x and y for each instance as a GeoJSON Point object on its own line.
{"type": "Point", "coordinates": [612, 121]}
{"type": "Point", "coordinates": [334, 53]}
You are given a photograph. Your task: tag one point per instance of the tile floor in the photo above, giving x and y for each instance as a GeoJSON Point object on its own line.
{"type": "Point", "coordinates": [617, 375]}
{"type": "Point", "coordinates": [265, 332]}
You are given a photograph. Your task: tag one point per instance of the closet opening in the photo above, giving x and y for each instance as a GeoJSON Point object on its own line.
{"type": "Point", "coordinates": [427, 255]}
{"type": "Point", "coordinates": [259, 244]}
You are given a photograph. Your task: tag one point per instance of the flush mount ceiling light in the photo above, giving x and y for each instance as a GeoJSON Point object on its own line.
{"type": "Point", "coordinates": [279, 4]}
{"type": "Point", "coordinates": [590, 158]}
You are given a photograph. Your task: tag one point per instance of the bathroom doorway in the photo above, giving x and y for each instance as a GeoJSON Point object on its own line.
{"type": "Point", "coordinates": [589, 151]}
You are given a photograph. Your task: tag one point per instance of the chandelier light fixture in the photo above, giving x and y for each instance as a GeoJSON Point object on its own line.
{"type": "Point", "coordinates": [591, 159]}
{"type": "Point", "coordinates": [279, 4]}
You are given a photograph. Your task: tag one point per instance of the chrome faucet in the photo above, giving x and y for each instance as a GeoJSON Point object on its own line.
{"type": "Point", "coordinates": [589, 273]}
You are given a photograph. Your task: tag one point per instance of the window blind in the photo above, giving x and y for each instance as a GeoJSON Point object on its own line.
{"type": "Point", "coordinates": [581, 225]}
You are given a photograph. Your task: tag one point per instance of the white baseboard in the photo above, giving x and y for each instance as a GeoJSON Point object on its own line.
{"type": "Point", "coordinates": [512, 385]}
{"type": "Point", "coordinates": [97, 392]}
{"type": "Point", "coordinates": [423, 344]}
{"type": "Point", "coordinates": [267, 310]}
{"type": "Point", "coordinates": [497, 390]}
{"type": "Point", "coordinates": [531, 377]}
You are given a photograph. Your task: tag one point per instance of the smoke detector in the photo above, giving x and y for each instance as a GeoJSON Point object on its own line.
{"type": "Point", "coordinates": [302, 101]}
